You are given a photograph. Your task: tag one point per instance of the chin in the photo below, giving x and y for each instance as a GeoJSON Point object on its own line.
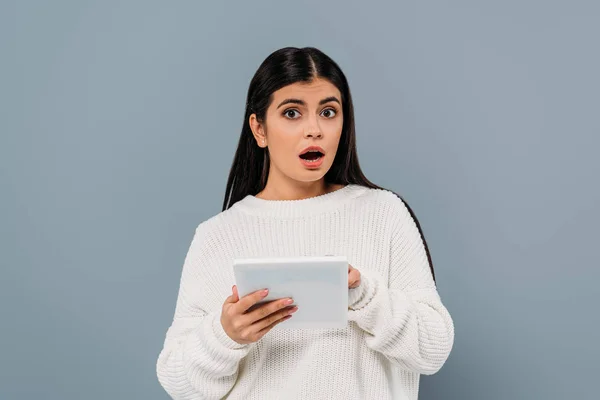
{"type": "Point", "coordinates": [311, 176]}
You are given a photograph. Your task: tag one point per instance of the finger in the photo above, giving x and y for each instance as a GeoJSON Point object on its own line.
{"type": "Point", "coordinates": [268, 310]}
{"type": "Point", "coordinates": [233, 297]}
{"type": "Point", "coordinates": [235, 293]}
{"type": "Point", "coordinates": [353, 278]}
{"type": "Point", "coordinates": [249, 300]}
{"type": "Point", "coordinates": [230, 299]}
{"type": "Point", "coordinates": [268, 323]}
{"type": "Point", "coordinates": [264, 331]}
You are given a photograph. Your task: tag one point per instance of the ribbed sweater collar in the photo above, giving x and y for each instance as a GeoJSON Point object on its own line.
{"type": "Point", "coordinates": [302, 207]}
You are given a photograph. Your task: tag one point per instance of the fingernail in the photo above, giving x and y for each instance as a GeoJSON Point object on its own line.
{"type": "Point", "coordinates": [265, 292]}
{"type": "Point", "coordinates": [289, 301]}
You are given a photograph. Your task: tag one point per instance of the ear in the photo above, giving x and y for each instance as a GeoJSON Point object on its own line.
{"type": "Point", "coordinates": [258, 131]}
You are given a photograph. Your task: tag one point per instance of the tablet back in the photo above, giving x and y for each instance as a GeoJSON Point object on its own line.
{"type": "Point", "coordinates": [318, 285]}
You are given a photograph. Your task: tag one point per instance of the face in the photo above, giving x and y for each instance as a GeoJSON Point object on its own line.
{"type": "Point", "coordinates": [301, 115]}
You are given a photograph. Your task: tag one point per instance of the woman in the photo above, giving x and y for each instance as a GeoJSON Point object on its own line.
{"type": "Point", "coordinates": [296, 188]}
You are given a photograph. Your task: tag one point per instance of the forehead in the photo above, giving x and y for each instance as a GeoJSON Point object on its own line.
{"type": "Point", "coordinates": [309, 91]}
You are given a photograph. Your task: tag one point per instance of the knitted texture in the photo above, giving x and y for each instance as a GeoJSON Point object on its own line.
{"type": "Point", "coordinates": [398, 327]}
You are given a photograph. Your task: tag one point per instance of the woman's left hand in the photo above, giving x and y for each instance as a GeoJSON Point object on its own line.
{"type": "Point", "coordinates": [353, 277]}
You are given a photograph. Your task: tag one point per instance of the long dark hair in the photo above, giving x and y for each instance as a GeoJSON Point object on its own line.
{"type": "Point", "coordinates": [250, 167]}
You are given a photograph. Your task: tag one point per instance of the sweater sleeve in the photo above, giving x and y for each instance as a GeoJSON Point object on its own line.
{"type": "Point", "coordinates": [198, 359]}
{"type": "Point", "coordinates": [405, 320]}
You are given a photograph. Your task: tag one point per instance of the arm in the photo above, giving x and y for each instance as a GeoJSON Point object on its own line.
{"type": "Point", "coordinates": [198, 359]}
{"type": "Point", "coordinates": [405, 321]}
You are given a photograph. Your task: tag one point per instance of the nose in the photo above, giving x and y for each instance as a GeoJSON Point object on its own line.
{"type": "Point", "coordinates": [313, 130]}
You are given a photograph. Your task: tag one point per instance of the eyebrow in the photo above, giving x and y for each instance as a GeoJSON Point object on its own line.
{"type": "Point", "coordinates": [303, 103]}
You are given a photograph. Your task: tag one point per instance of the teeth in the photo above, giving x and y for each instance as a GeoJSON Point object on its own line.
{"type": "Point", "coordinates": [312, 161]}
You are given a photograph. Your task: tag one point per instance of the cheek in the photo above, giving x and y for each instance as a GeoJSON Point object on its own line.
{"type": "Point", "coordinates": [334, 127]}
{"type": "Point", "coordinates": [282, 151]}
{"type": "Point", "coordinates": [279, 131]}
{"type": "Point", "coordinates": [283, 143]}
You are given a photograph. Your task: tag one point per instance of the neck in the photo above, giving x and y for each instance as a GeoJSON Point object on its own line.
{"type": "Point", "coordinates": [286, 190]}
{"type": "Point", "coordinates": [300, 207]}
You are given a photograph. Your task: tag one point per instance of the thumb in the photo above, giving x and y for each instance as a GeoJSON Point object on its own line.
{"type": "Point", "coordinates": [234, 296]}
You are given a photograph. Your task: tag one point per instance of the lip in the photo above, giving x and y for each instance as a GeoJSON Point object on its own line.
{"type": "Point", "coordinates": [309, 148]}
{"type": "Point", "coordinates": [312, 165]}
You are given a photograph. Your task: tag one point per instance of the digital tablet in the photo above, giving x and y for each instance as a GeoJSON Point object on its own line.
{"type": "Point", "coordinates": [318, 286]}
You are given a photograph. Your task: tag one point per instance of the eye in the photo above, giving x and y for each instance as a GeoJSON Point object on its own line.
{"type": "Point", "coordinates": [290, 111]}
{"type": "Point", "coordinates": [330, 111]}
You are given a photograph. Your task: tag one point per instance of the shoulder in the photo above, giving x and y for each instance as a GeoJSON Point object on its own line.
{"type": "Point", "coordinates": [209, 231]}
{"type": "Point", "coordinates": [391, 204]}
{"type": "Point", "coordinates": [217, 222]}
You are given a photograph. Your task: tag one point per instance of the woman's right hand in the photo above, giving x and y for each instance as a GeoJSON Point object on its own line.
{"type": "Point", "coordinates": [248, 327]}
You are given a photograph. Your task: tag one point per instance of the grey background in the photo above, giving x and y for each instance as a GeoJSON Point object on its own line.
{"type": "Point", "coordinates": [118, 125]}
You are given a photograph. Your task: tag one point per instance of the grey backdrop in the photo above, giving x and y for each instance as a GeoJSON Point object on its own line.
{"type": "Point", "coordinates": [118, 125]}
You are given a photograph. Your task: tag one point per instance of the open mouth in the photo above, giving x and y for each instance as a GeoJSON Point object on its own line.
{"type": "Point", "coordinates": [312, 156]}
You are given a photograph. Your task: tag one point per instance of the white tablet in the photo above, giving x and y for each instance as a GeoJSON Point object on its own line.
{"type": "Point", "coordinates": [318, 286]}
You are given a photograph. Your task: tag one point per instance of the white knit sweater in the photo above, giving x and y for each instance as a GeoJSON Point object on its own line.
{"type": "Point", "coordinates": [398, 327]}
